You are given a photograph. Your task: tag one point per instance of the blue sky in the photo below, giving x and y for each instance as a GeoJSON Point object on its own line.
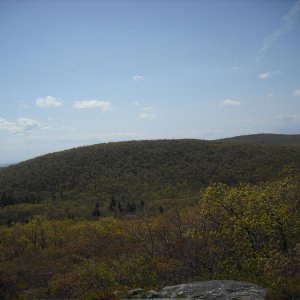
{"type": "Point", "coordinates": [76, 73]}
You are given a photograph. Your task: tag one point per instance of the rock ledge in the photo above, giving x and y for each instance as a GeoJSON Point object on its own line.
{"type": "Point", "coordinates": [210, 290]}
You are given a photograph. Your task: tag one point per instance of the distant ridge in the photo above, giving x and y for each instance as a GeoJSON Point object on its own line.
{"type": "Point", "coordinates": [266, 138]}
{"type": "Point", "coordinates": [125, 177]}
{"type": "Point", "coordinates": [159, 168]}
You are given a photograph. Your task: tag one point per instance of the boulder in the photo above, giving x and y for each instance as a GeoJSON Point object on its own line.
{"type": "Point", "coordinates": [136, 293]}
{"type": "Point", "coordinates": [216, 290]}
{"type": "Point", "coordinates": [153, 294]}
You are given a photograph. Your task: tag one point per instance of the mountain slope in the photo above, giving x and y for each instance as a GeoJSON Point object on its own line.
{"type": "Point", "coordinates": [266, 138]}
{"type": "Point", "coordinates": [142, 170]}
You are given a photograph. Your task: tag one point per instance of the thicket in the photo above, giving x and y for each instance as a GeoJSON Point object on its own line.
{"type": "Point", "coordinates": [247, 232]}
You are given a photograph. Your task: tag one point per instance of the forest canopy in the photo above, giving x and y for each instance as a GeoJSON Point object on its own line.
{"type": "Point", "coordinates": [247, 232]}
{"type": "Point", "coordinates": [147, 214]}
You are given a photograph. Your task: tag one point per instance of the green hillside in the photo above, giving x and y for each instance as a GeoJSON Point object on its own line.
{"type": "Point", "coordinates": [266, 138]}
{"type": "Point", "coordinates": [117, 216]}
{"type": "Point", "coordinates": [127, 176]}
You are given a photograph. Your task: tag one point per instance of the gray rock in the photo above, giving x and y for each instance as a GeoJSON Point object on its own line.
{"type": "Point", "coordinates": [215, 290]}
{"type": "Point", "coordinates": [135, 293]}
{"type": "Point", "coordinates": [153, 294]}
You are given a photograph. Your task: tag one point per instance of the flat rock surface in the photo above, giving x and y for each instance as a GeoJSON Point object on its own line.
{"type": "Point", "coordinates": [214, 290]}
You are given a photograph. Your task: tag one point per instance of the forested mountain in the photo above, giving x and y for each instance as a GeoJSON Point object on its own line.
{"type": "Point", "coordinates": [162, 167]}
{"type": "Point", "coordinates": [127, 176]}
{"type": "Point", "coordinates": [266, 138]}
{"type": "Point", "coordinates": [118, 216]}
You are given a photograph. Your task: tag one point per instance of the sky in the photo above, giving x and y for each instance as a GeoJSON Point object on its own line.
{"type": "Point", "coordinates": [76, 73]}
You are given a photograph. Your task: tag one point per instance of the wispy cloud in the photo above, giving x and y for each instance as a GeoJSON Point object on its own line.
{"type": "Point", "coordinates": [138, 77]}
{"type": "Point", "coordinates": [84, 104]}
{"type": "Point", "coordinates": [22, 125]}
{"type": "Point", "coordinates": [296, 93]}
{"type": "Point", "coordinates": [289, 21]}
{"type": "Point", "coordinates": [136, 103]}
{"type": "Point", "coordinates": [270, 74]}
{"type": "Point", "coordinates": [229, 102]}
{"type": "Point", "coordinates": [271, 94]}
{"type": "Point", "coordinates": [48, 102]}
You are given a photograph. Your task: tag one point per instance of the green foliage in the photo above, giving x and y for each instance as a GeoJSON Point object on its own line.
{"type": "Point", "coordinates": [254, 230]}
{"type": "Point", "coordinates": [246, 232]}
{"type": "Point", "coordinates": [135, 272]}
{"type": "Point", "coordinates": [147, 214]}
{"type": "Point", "coordinates": [120, 175]}
{"type": "Point", "coordinates": [99, 295]}
{"type": "Point", "coordinates": [287, 291]}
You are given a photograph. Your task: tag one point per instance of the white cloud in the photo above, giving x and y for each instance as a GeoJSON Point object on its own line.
{"type": "Point", "coordinates": [84, 104]}
{"type": "Point", "coordinates": [8, 126]}
{"type": "Point", "coordinates": [27, 123]}
{"type": "Point", "coordinates": [229, 102]}
{"type": "Point", "coordinates": [22, 125]}
{"type": "Point", "coordinates": [270, 94]}
{"type": "Point", "coordinates": [296, 93]}
{"type": "Point", "coordinates": [138, 77]}
{"type": "Point", "coordinates": [136, 103]}
{"type": "Point", "coordinates": [48, 101]}
{"type": "Point", "coordinates": [268, 74]}
{"type": "Point", "coordinates": [289, 21]}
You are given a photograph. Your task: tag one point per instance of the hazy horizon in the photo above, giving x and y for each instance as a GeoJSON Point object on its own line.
{"type": "Point", "coordinates": [77, 73]}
